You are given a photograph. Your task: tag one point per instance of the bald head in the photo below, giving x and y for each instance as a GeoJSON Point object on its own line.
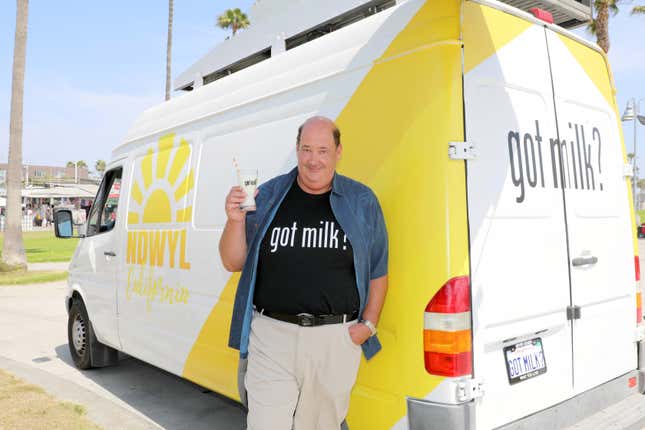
{"type": "Point", "coordinates": [318, 150]}
{"type": "Point", "coordinates": [319, 124]}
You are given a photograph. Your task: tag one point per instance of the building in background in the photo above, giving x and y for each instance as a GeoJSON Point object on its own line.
{"type": "Point", "coordinates": [47, 187]}
{"type": "Point", "coordinates": [39, 174]}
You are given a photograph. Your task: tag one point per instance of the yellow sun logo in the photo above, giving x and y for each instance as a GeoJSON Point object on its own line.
{"type": "Point", "coordinates": [161, 185]}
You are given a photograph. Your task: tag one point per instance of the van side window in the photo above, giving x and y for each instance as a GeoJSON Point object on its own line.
{"type": "Point", "coordinates": [104, 210]}
{"type": "Point", "coordinates": [108, 217]}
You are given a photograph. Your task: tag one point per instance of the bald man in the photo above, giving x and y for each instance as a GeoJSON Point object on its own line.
{"type": "Point", "coordinates": [314, 276]}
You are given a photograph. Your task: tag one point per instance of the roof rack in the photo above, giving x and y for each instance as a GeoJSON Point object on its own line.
{"type": "Point", "coordinates": [566, 13]}
{"type": "Point", "coordinates": [262, 41]}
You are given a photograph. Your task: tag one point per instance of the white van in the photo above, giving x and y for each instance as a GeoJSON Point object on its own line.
{"type": "Point", "coordinates": [494, 145]}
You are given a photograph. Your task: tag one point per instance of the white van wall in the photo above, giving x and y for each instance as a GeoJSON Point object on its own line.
{"type": "Point", "coordinates": [252, 115]}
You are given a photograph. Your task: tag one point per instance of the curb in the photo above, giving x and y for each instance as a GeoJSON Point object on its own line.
{"type": "Point", "coordinates": [100, 410]}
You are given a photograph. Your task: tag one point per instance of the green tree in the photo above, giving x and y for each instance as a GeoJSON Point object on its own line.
{"type": "Point", "coordinates": [100, 166]}
{"type": "Point", "coordinates": [234, 19]}
{"type": "Point", "coordinates": [81, 164]}
{"type": "Point", "coordinates": [641, 184]}
{"type": "Point", "coordinates": [168, 49]}
{"type": "Point", "coordinates": [599, 25]}
{"type": "Point", "coordinates": [13, 249]}
{"type": "Point", "coordinates": [70, 164]}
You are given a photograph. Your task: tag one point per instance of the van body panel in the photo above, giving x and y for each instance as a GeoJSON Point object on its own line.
{"type": "Point", "coordinates": [599, 220]}
{"type": "Point", "coordinates": [548, 95]}
{"type": "Point", "coordinates": [159, 292]}
{"type": "Point", "coordinates": [519, 291]}
{"type": "Point", "coordinates": [95, 273]}
{"type": "Point", "coordinates": [397, 136]}
{"type": "Point", "coordinates": [596, 65]}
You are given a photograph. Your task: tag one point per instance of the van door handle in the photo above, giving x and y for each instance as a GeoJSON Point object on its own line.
{"type": "Point", "coordinates": [584, 261]}
{"type": "Point", "coordinates": [109, 253]}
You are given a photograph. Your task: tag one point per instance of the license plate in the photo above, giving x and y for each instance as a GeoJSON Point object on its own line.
{"type": "Point", "coordinates": [525, 360]}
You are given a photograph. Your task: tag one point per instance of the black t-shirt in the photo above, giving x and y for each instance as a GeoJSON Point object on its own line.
{"type": "Point", "coordinates": [306, 262]}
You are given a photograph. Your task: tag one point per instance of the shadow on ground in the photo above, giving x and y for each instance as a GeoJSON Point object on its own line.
{"type": "Point", "coordinates": [166, 399]}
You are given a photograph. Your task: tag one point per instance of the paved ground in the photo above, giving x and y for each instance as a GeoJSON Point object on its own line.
{"type": "Point", "coordinates": [48, 266]}
{"type": "Point", "coordinates": [628, 414]}
{"type": "Point", "coordinates": [132, 395]}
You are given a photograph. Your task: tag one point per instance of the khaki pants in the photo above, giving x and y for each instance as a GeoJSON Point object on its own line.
{"type": "Point", "coordinates": [299, 377]}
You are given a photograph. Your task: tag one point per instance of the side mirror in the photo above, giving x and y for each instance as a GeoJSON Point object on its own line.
{"type": "Point", "coordinates": [63, 224]}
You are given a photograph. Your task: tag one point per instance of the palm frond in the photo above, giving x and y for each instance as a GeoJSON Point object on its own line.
{"type": "Point", "coordinates": [638, 10]}
{"type": "Point", "coordinates": [234, 19]}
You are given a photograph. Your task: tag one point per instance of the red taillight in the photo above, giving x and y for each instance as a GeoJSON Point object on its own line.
{"type": "Point", "coordinates": [637, 267]}
{"type": "Point", "coordinates": [542, 15]}
{"type": "Point", "coordinates": [449, 364]}
{"type": "Point", "coordinates": [447, 336]}
{"type": "Point", "coordinates": [639, 297]}
{"type": "Point", "coordinates": [453, 297]}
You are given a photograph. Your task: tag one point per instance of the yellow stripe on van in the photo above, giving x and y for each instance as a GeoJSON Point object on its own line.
{"type": "Point", "coordinates": [393, 132]}
{"type": "Point", "coordinates": [209, 363]}
{"type": "Point", "coordinates": [596, 65]}
{"type": "Point", "coordinates": [486, 31]}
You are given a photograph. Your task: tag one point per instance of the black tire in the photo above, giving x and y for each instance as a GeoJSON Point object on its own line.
{"type": "Point", "coordinates": [79, 335]}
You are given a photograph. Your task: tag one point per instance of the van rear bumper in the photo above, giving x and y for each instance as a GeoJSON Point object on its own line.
{"type": "Point", "coordinates": [425, 415]}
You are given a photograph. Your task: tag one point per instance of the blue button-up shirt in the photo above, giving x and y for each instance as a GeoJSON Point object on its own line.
{"type": "Point", "coordinates": [359, 214]}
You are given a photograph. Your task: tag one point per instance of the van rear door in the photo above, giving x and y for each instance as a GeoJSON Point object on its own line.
{"type": "Point", "coordinates": [598, 214]}
{"type": "Point", "coordinates": [519, 271]}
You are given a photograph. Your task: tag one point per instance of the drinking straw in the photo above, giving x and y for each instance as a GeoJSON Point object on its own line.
{"type": "Point", "coordinates": [237, 170]}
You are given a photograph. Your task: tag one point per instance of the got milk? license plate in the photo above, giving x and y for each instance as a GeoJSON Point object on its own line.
{"type": "Point", "coordinates": [525, 360]}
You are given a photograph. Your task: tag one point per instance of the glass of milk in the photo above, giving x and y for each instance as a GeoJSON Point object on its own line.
{"type": "Point", "coordinates": [248, 179]}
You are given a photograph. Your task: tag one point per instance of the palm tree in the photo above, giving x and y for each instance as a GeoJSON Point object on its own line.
{"type": "Point", "coordinates": [168, 49]}
{"type": "Point", "coordinates": [100, 164]}
{"type": "Point", "coordinates": [641, 184]}
{"type": "Point", "coordinates": [234, 19]}
{"type": "Point", "coordinates": [599, 25]}
{"type": "Point", "coordinates": [70, 164]}
{"type": "Point", "coordinates": [13, 250]}
{"type": "Point", "coordinates": [81, 164]}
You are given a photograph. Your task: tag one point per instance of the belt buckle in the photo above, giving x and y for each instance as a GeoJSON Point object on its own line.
{"type": "Point", "coordinates": [306, 320]}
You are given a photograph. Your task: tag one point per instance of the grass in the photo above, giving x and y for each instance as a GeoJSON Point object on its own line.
{"type": "Point", "coordinates": [25, 406]}
{"type": "Point", "coordinates": [43, 246]}
{"type": "Point", "coordinates": [31, 277]}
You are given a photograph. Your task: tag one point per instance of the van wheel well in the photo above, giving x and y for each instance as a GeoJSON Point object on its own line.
{"type": "Point", "coordinates": [76, 297]}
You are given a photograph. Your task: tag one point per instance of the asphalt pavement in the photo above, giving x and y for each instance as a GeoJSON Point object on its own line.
{"type": "Point", "coordinates": [134, 395]}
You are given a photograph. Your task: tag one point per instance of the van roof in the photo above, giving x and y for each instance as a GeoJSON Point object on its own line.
{"type": "Point", "coordinates": [226, 93]}
{"type": "Point", "coordinates": [272, 22]}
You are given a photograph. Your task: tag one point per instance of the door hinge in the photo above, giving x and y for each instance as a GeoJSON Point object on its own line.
{"type": "Point", "coordinates": [469, 389]}
{"type": "Point", "coordinates": [573, 312]}
{"type": "Point", "coordinates": [462, 151]}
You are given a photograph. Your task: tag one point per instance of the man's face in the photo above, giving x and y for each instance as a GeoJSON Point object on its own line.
{"type": "Point", "coordinates": [317, 156]}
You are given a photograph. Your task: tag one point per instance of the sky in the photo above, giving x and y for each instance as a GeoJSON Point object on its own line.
{"type": "Point", "coordinates": [92, 67]}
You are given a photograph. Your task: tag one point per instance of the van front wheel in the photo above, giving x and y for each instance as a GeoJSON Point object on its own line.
{"type": "Point", "coordinates": [78, 335]}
